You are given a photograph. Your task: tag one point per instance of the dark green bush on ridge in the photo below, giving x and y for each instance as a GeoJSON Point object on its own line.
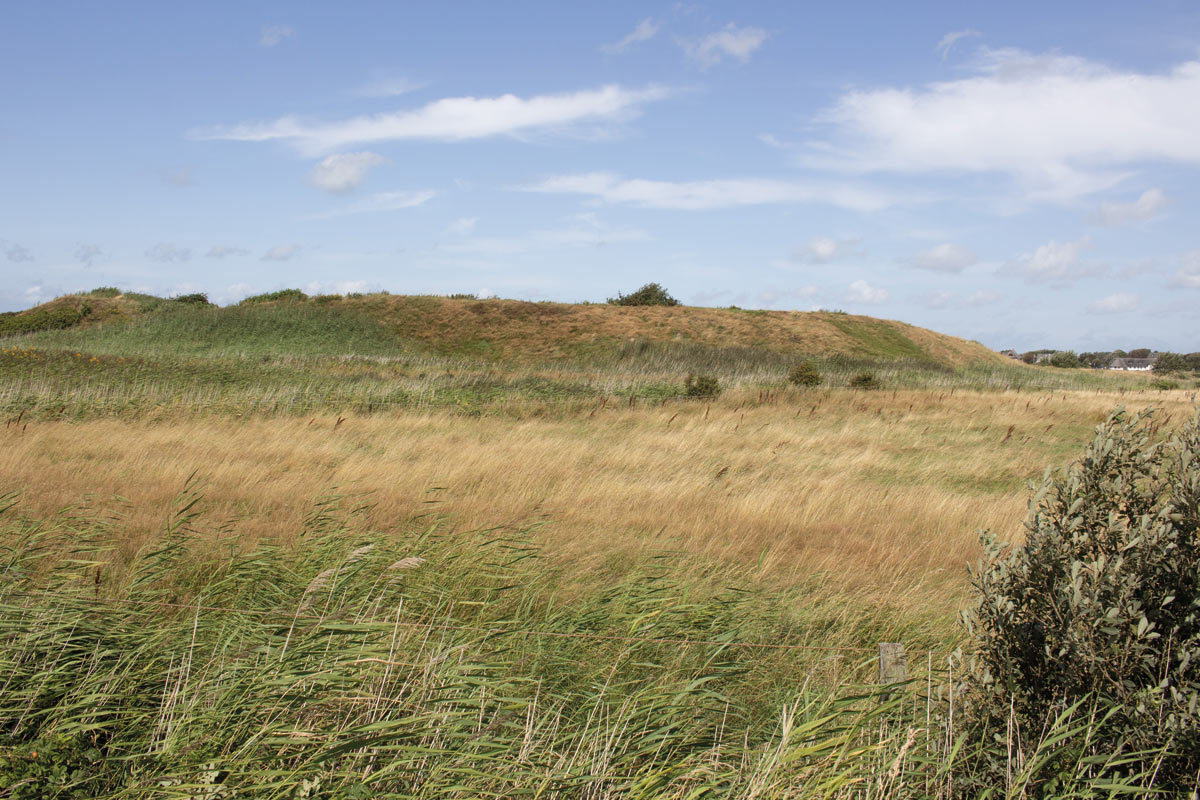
{"type": "Point", "coordinates": [193, 299]}
{"type": "Point", "coordinates": [1102, 601]}
{"type": "Point", "coordinates": [651, 294]}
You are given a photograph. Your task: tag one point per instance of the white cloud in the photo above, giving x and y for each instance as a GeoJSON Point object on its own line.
{"type": "Point", "coordinates": [281, 252]}
{"type": "Point", "coordinates": [15, 252]}
{"type": "Point", "coordinates": [1114, 304]}
{"type": "Point", "coordinates": [167, 253]}
{"type": "Point", "coordinates": [224, 251]}
{"type": "Point", "coordinates": [592, 233]}
{"type": "Point", "coordinates": [862, 292]}
{"type": "Point", "coordinates": [1056, 262]}
{"type": "Point", "coordinates": [939, 299]}
{"type": "Point", "coordinates": [389, 87]}
{"type": "Point", "coordinates": [708, 194]}
{"type": "Point", "coordinates": [379, 202]}
{"type": "Point", "coordinates": [731, 40]}
{"type": "Point", "coordinates": [984, 297]}
{"type": "Point", "coordinates": [823, 249]}
{"type": "Point", "coordinates": [1063, 126]}
{"type": "Point", "coordinates": [453, 119]}
{"type": "Point", "coordinates": [1112, 215]}
{"type": "Point", "coordinates": [88, 254]}
{"type": "Point", "coordinates": [274, 34]}
{"type": "Point", "coordinates": [462, 226]}
{"type": "Point", "coordinates": [485, 293]}
{"type": "Point", "coordinates": [950, 39]}
{"type": "Point", "coordinates": [1188, 275]}
{"type": "Point", "coordinates": [944, 258]}
{"type": "Point", "coordinates": [342, 173]}
{"type": "Point", "coordinates": [643, 32]}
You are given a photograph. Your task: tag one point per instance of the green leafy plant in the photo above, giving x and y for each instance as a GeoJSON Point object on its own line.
{"type": "Point", "coordinates": [652, 294]}
{"type": "Point", "coordinates": [805, 374]}
{"type": "Point", "coordinates": [701, 386]}
{"type": "Point", "coordinates": [1101, 602]}
{"type": "Point", "coordinates": [864, 380]}
{"type": "Point", "coordinates": [193, 299]}
{"type": "Point", "coordinates": [1065, 359]}
{"type": "Point", "coordinates": [105, 291]}
{"type": "Point", "coordinates": [1170, 362]}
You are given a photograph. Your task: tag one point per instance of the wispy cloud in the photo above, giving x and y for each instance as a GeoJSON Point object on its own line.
{"type": "Point", "coordinates": [824, 249]}
{"type": "Point", "coordinates": [179, 176]}
{"type": "Point", "coordinates": [342, 173]}
{"type": "Point", "coordinates": [379, 202]}
{"type": "Point", "coordinates": [453, 119]}
{"type": "Point", "coordinates": [462, 226]}
{"type": "Point", "coordinates": [15, 252]}
{"type": "Point", "coordinates": [862, 292]}
{"type": "Point", "coordinates": [710, 194]}
{"type": "Point", "coordinates": [1058, 263]}
{"type": "Point", "coordinates": [950, 39]}
{"type": "Point", "coordinates": [1112, 215]}
{"type": "Point", "coordinates": [274, 34]}
{"type": "Point", "coordinates": [643, 32]}
{"type": "Point", "coordinates": [225, 251]}
{"type": "Point", "coordinates": [1188, 275]}
{"type": "Point", "coordinates": [88, 254]}
{"type": "Point", "coordinates": [586, 231]}
{"type": "Point", "coordinates": [1063, 126]}
{"type": "Point", "coordinates": [282, 252]}
{"type": "Point", "coordinates": [944, 258]}
{"type": "Point", "coordinates": [389, 87]}
{"type": "Point", "coordinates": [167, 253]}
{"type": "Point", "coordinates": [739, 43]}
{"type": "Point", "coordinates": [1114, 304]}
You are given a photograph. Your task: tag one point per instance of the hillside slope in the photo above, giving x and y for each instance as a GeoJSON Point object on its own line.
{"type": "Point", "coordinates": [491, 330]}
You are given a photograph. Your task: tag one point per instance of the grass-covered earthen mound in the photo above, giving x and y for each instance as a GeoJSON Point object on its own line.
{"type": "Point", "coordinates": [499, 330]}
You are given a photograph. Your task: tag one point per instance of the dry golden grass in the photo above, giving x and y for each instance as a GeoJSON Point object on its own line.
{"type": "Point", "coordinates": [877, 493]}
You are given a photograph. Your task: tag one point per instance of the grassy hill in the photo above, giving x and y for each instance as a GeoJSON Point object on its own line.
{"type": "Point", "coordinates": [485, 330]}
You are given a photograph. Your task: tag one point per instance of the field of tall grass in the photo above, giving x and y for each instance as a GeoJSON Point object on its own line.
{"type": "Point", "coordinates": [276, 565]}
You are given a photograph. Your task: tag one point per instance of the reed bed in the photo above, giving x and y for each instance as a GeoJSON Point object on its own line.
{"type": "Point", "coordinates": [412, 662]}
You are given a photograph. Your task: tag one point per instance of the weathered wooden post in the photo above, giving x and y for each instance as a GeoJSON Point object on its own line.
{"type": "Point", "coordinates": [893, 663]}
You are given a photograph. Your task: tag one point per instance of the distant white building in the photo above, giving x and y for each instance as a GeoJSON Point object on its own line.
{"type": "Point", "coordinates": [1134, 364]}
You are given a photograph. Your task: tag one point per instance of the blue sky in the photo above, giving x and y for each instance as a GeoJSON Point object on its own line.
{"type": "Point", "coordinates": [1021, 174]}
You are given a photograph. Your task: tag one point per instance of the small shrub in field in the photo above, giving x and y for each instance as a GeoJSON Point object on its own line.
{"type": "Point", "coordinates": [461, 296]}
{"type": "Point", "coordinates": [326, 298]}
{"type": "Point", "coordinates": [282, 294]}
{"type": "Point", "coordinates": [701, 386]}
{"type": "Point", "coordinates": [1100, 604]}
{"type": "Point", "coordinates": [194, 299]}
{"type": "Point", "coordinates": [805, 374]}
{"type": "Point", "coordinates": [864, 380]}
{"type": "Point", "coordinates": [1164, 384]}
{"type": "Point", "coordinates": [651, 294]}
{"type": "Point", "coordinates": [105, 291]}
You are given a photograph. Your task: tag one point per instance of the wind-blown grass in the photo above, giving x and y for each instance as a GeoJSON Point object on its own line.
{"type": "Point", "coordinates": [409, 663]}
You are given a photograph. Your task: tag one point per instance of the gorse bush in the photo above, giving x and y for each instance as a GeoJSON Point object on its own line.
{"type": "Point", "coordinates": [651, 294]}
{"type": "Point", "coordinates": [805, 374]}
{"type": "Point", "coordinates": [105, 291]}
{"type": "Point", "coordinates": [701, 386]}
{"type": "Point", "coordinates": [1101, 601]}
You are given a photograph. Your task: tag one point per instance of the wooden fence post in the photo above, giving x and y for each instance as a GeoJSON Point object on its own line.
{"type": "Point", "coordinates": [893, 663]}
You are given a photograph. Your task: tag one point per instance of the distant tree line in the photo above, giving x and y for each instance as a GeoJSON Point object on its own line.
{"type": "Point", "coordinates": [1068, 359]}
